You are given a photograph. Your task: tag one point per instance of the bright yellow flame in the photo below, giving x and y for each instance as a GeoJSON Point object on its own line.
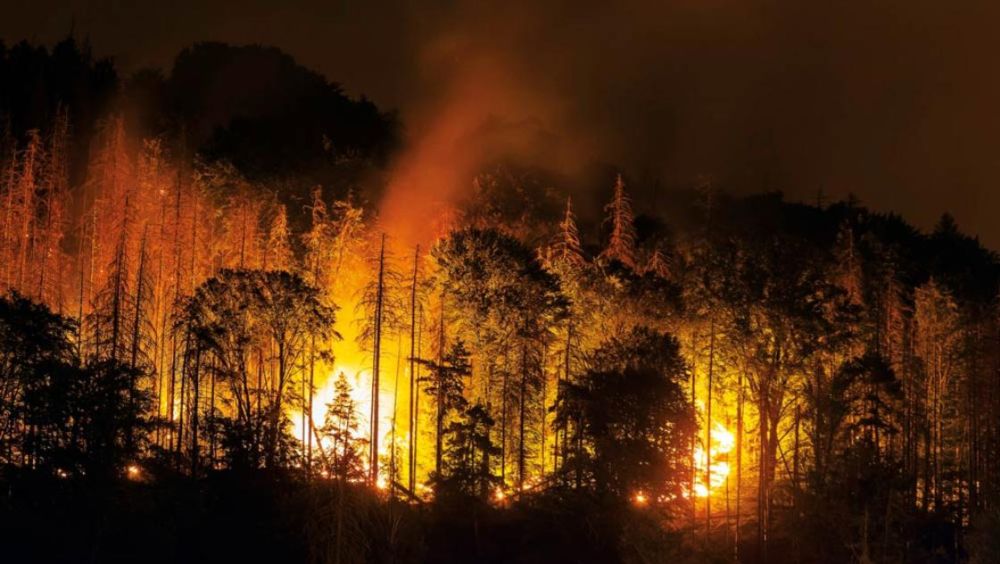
{"type": "Point", "coordinates": [640, 499]}
{"type": "Point", "coordinates": [133, 471]}
{"type": "Point", "coordinates": [723, 442]}
{"type": "Point", "coordinates": [360, 382]}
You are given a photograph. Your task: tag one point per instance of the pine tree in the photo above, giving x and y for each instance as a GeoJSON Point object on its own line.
{"type": "Point", "coordinates": [23, 212]}
{"type": "Point", "coordinates": [317, 242]}
{"type": "Point", "coordinates": [657, 264]}
{"type": "Point", "coordinates": [468, 450]}
{"type": "Point", "coordinates": [340, 430]}
{"type": "Point", "coordinates": [567, 249]}
{"type": "Point", "coordinates": [278, 251]}
{"type": "Point", "coordinates": [347, 229]}
{"type": "Point", "coordinates": [243, 240]}
{"type": "Point", "coordinates": [621, 245]}
{"type": "Point", "coordinates": [380, 312]}
{"type": "Point", "coordinates": [446, 384]}
{"type": "Point", "coordinates": [54, 215]}
{"type": "Point", "coordinates": [416, 297]}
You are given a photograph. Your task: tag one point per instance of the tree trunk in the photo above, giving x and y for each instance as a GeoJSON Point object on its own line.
{"type": "Point", "coordinates": [412, 451]}
{"type": "Point", "coordinates": [196, 388]}
{"type": "Point", "coordinates": [739, 464]}
{"type": "Point", "coordinates": [376, 358]}
{"type": "Point", "coordinates": [708, 431]}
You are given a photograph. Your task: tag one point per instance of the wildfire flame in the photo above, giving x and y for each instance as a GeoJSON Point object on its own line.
{"type": "Point", "coordinates": [360, 389]}
{"type": "Point", "coordinates": [722, 444]}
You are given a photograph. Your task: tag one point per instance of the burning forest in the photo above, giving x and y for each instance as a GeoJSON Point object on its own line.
{"type": "Point", "coordinates": [275, 327]}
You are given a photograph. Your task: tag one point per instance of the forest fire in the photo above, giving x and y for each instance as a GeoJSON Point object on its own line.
{"type": "Point", "coordinates": [717, 460]}
{"type": "Point", "coordinates": [245, 315]}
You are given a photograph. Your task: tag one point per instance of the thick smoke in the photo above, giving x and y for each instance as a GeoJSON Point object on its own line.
{"type": "Point", "coordinates": [882, 101]}
{"type": "Point", "coordinates": [893, 102]}
{"type": "Point", "coordinates": [484, 111]}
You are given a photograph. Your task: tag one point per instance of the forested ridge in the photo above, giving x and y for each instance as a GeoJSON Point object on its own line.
{"type": "Point", "coordinates": [214, 348]}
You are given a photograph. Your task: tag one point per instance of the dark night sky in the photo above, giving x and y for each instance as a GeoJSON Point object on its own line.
{"type": "Point", "coordinates": [893, 101]}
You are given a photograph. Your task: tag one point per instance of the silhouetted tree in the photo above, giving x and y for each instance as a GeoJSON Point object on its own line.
{"type": "Point", "coordinates": [631, 419]}
{"type": "Point", "coordinates": [344, 444]}
{"type": "Point", "coordinates": [445, 383]}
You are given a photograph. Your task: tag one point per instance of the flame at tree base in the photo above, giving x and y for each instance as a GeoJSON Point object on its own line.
{"type": "Point", "coordinates": [716, 461]}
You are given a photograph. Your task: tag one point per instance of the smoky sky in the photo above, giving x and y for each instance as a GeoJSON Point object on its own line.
{"type": "Point", "coordinates": [895, 102]}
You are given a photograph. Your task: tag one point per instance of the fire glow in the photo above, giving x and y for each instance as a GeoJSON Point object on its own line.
{"type": "Point", "coordinates": [717, 461]}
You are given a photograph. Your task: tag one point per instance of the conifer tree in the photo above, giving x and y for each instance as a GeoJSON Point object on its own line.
{"type": "Point", "coordinates": [567, 249]}
{"type": "Point", "coordinates": [621, 243]}
{"type": "Point", "coordinates": [445, 383]}
{"type": "Point", "coordinates": [340, 430]}
{"type": "Point", "coordinates": [278, 250]}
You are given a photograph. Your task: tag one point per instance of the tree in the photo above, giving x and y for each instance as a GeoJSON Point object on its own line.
{"type": "Point", "coordinates": [631, 418]}
{"type": "Point", "coordinates": [243, 241]}
{"type": "Point", "coordinates": [621, 244]}
{"type": "Point", "coordinates": [340, 430]}
{"type": "Point", "coordinates": [783, 313]}
{"type": "Point", "coordinates": [380, 310]}
{"type": "Point", "coordinates": [467, 456]}
{"type": "Point", "coordinates": [35, 350]}
{"type": "Point", "coordinates": [238, 317]}
{"type": "Point", "coordinates": [417, 298]}
{"type": "Point", "coordinates": [566, 249]}
{"type": "Point", "coordinates": [855, 505]}
{"type": "Point", "coordinates": [54, 215]}
{"type": "Point", "coordinates": [278, 251]}
{"type": "Point", "coordinates": [938, 347]}
{"type": "Point", "coordinates": [105, 415]}
{"type": "Point", "coordinates": [509, 304]}
{"type": "Point", "coordinates": [318, 243]}
{"type": "Point", "coordinates": [445, 383]}
{"type": "Point", "coordinates": [57, 416]}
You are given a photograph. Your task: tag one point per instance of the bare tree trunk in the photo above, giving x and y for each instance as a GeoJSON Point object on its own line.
{"type": "Point", "coordinates": [412, 451]}
{"type": "Point", "coordinates": [544, 406]}
{"type": "Point", "coordinates": [139, 288]}
{"type": "Point", "coordinates": [708, 431]}
{"type": "Point", "coordinates": [180, 412]}
{"type": "Point", "coordinates": [694, 436]}
{"type": "Point", "coordinates": [395, 411]}
{"type": "Point", "coordinates": [376, 357]}
{"type": "Point", "coordinates": [522, 399]}
{"type": "Point", "coordinates": [136, 327]}
{"type": "Point", "coordinates": [440, 393]}
{"type": "Point", "coordinates": [211, 417]}
{"type": "Point", "coordinates": [566, 377]}
{"type": "Point", "coordinates": [739, 465]}
{"type": "Point", "coordinates": [762, 486]}
{"type": "Point", "coordinates": [795, 454]}
{"type": "Point", "coordinates": [118, 290]}
{"type": "Point", "coordinates": [196, 388]}
{"type": "Point", "coordinates": [503, 422]}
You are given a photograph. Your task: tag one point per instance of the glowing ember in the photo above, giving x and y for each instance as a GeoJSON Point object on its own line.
{"type": "Point", "coordinates": [133, 471]}
{"type": "Point", "coordinates": [640, 499]}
